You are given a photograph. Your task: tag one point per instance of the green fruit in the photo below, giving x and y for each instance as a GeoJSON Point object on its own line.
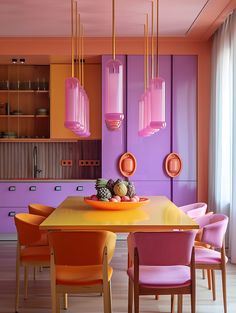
{"type": "Point", "coordinates": [100, 183]}
{"type": "Point", "coordinates": [120, 189]}
{"type": "Point", "coordinates": [104, 200]}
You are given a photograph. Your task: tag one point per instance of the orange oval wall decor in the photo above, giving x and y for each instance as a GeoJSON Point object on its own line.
{"type": "Point", "coordinates": [173, 164]}
{"type": "Point", "coordinates": [127, 164]}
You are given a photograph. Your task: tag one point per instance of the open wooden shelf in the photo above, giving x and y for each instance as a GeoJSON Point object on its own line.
{"type": "Point", "coordinates": [23, 91]}
{"type": "Point", "coordinates": [23, 116]}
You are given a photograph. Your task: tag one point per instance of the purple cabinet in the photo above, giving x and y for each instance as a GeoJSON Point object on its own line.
{"type": "Point", "coordinates": [150, 152]}
{"type": "Point", "coordinates": [113, 141]}
{"type": "Point", "coordinates": [15, 197]}
{"type": "Point", "coordinates": [184, 129]}
{"type": "Point", "coordinates": [179, 136]}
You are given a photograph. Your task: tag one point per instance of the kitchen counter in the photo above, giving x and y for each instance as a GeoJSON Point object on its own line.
{"type": "Point", "coordinates": [46, 180]}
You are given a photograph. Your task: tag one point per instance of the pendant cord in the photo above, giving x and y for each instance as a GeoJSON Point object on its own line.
{"type": "Point", "coordinates": [157, 69]}
{"type": "Point", "coordinates": [72, 39]}
{"type": "Point", "coordinates": [147, 50]}
{"type": "Point", "coordinates": [78, 47]}
{"type": "Point", "coordinates": [113, 31]}
{"type": "Point", "coordinates": [152, 42]}
{"type": "Point", "coordinates": [145, 59]}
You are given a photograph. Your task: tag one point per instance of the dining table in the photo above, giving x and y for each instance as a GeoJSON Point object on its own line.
{"type": "Point", "coordinates": [157, 214]}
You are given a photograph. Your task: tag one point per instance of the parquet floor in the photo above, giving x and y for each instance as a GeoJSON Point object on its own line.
{"type": "Point", "coordinates": [39, 290]}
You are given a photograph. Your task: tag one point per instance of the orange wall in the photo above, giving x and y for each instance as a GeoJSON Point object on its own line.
{"type": "Point", "coordinates": [54, 50]}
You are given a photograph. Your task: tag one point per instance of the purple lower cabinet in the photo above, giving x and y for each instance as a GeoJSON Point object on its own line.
{"type": "Point", "coordinates": [184, 192]}
{"type": "Point", "coordinates": [7, 224]}
{"type": "Point", "coordinates": [15, 197]}
{"type": "Point", "coordinates": [113, 141]}
{"type": "Point", "coordinates": [152, 188]}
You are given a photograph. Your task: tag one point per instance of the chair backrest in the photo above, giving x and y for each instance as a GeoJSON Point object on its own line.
{"type": "Point", "coordinates": [27, 226]}
{"type": "Point", "coordinates": [214, 229]}
{"type": "Point", "coordinates": [40, 209]}
{"type": "Point", "coordinates": [81, 247]}
{"type": "Point", "coordinates": [195, 210]}
{"type": "Point", "coordinates": [162, 248]}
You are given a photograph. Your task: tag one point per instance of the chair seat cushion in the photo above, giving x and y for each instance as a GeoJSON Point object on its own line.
{"type": "Point", "coordinates": [80, 275]}
{"type": "Point", "coordinates": [35, 254]}
{"type": "Point", "coordinates": [162, 276]}
{"type": "Point", "coordinates": [207, 256]}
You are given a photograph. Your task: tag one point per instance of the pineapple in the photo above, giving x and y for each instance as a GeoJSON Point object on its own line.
{"type": "Point", "coordinates": [100, 183]}
{"type": "Point", "coordinates": [103, 193]}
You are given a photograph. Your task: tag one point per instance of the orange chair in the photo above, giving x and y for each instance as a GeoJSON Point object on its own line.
{"type": "Point", "coordinates": [40, 209]}
{"type": "Point", "coordinates": [32, 248]}
{"type": "Point", "coordinates": [80, 264]}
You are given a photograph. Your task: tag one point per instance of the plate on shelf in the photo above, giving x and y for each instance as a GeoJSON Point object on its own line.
{"type": "Point", "coordinates": [102, 205]}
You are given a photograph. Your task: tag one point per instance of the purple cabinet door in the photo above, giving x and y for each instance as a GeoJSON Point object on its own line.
{"type": "Point", "coordinates": [150, 152]}
{"type": "Point", "coordinates": [184, 132]}
{"type": "Point", "coordinates": [113, 141]}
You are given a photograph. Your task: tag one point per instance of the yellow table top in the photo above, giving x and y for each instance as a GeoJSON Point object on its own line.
{"type": "Point", "coordinates": [159, 214]}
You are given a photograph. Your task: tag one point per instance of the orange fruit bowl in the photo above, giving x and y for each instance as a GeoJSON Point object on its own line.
{"type": "Point", "coordinates": [124, 205]}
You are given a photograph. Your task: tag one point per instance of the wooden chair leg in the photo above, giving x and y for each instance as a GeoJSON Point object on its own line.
{"type": "Point", "coordinates": [136, 299]}
{"type": "Point", "coordinates": [172, 303]}
{"type": "Point", "coordinates": [106, 297]}
{"type": "Point", "coordinates": [130, 296]}
{"type": "Point", "coordinates": [180, 303]}
{"type": "Point", "coordinates": [213, 285]}
{"type": "Point", "coordinates": [157, 297]}
{"type": "Point", "coordinates": [209, 279]}
{"type": "Point", "coordinates": [223, 273]}
{"type": "Point", "coordinates": [35, 270]}
{"type": "Point", "coordinates": [26, 271]}
{"type": "Point", "coordinates": [17, 285]}
{"type": "Point", "coordinates": [65, 301]}
{"type": "Point", "coordinates": [203, 274]}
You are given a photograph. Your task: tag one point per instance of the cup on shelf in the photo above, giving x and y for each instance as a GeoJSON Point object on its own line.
{"type": "Point", "coordinates": [4, 85]}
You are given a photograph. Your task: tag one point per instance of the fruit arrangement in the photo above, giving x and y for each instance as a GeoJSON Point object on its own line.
{"type": "Point", "coordinates": [114, 191]}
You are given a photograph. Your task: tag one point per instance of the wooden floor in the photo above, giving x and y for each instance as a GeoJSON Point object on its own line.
{"type": "Point", "coordinates": [39, 290]}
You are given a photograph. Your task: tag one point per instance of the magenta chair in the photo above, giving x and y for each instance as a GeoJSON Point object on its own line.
{"type": "Point", "coordinates": [206, 257]}
{"type": "Point", "coordinates": [194, 210]}
{"type": "Point", "coordinates": [161, 263]}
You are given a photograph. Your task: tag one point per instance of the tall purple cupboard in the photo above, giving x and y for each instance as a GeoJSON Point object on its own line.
{"type": "Point", "coordinates": [184, 127]}
{"type": "Point", "coordinates": [150, 152]}
{"type": "Point", "coordinates": [113, 141]}
{"type": "Point", "coordinates": [179, 136]}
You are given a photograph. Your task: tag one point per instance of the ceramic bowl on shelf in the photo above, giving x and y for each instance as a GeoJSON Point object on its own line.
{"type": "Point", "coordinates": [125, 205]}
{"type": "Point", "coordinates": [42, 111]}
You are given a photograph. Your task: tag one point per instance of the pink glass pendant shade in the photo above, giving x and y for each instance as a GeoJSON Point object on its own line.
{"type": "Point", "coordinates": [114, 94]}
{"type": "Point", "coordinates": [72, 93]}
{"type": "Point", "coordinates": [157, 89]}
{"type": "Point", "coordinates": [145, 129]}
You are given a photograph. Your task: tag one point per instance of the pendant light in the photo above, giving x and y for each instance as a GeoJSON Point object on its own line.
{"type": "Point", "coordinates": [113, 86]}
{"type": "Point", "coordinates": [157, 89]}
{"type": "Point", "coordinates": [72, 86]}
{"type": "Point", "coordinates": [77, 103]}
{"type": "Point", "coordinates": [145, 101]}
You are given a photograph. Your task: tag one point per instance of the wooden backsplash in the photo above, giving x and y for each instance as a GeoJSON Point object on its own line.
{"type": "Point", "coordinates": [16, 159]}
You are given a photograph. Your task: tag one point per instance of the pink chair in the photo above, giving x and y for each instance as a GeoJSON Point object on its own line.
{"type": "Point", "coordinates": [206, 257]}
{"type": "Point", "coordinates": [161, 263]}
{"type": "Point", "coordinates": [195, 210]}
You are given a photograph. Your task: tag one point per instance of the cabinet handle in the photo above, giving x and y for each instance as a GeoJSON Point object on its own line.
{"type": "Point", "coordinates": [57, 188]}
{"type": "Point", "coordinates": [80, 188]}
{"type": "Point", "coordinates": [32, 188]}
{"type": "Point", "coordinates": [173, 164]}
{"type": "Point", "coordinates": [11, 213]}
{"type": "Point", "coordinates": [12, 188]}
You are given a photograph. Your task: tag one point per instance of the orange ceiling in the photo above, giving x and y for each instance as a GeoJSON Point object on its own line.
{"type": "Point", "coordinates": [194, 19]}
